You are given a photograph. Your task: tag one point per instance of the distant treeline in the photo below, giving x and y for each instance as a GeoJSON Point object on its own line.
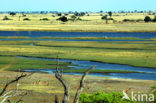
{"type": "Point", "coordinates": [71, 12]}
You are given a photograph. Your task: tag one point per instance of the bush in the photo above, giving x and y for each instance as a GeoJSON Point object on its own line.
{"type": "Point", "coordinates": [79, 14]}
{"type": "Point", "coordinates": [128, 20]}
{"type": "Point", "coordinates": [104, 17]}
{"type": "Point", "coordinates": [45, 19]}
{"type": "Point", "coordinates": [153, 88]}
{"type": "Point", "coordinates": [66, 14]}
{"type": "Point", "coordinates": [12, 13]}
{"type": "Point", "coordinates": [132, 20]}
{"type": "Point", "coordinates": [59, 14]}
{"type": "Point", "coordinates": [139, 20]}
{"type": "Point", "coordinates": [154, 20]}
{"type": "Point", "coordinates": [147, 19]}
{"type": "Point", "coordinates": [63, 19]}
{"type": "Point", "coordinates": [26, 19]}
{"type": "Point", "coordinates": [6, 18]}
{"type": "Point", "coordinates": [73, 18]}
{"type": "Point", "coordinates": [102, 97]}
{"type": "Point", "coordinates": [24, 15]}
{"type": "Point", "coordinates": [53, 15]}
{"type": "Point", "coordinates": [110, 19]}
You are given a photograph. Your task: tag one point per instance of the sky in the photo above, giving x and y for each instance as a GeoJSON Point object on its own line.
{"type": "Point", "coordinates": [77, 5]}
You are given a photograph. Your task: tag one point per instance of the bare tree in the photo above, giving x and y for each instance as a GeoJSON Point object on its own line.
{"type": "Point", "coordinates": [5, 95]}
{"type": "Point", "coordinates": [66, 86]}
{"type": "Point", "coordinates": [58, 75]}
{"type": "Point", "coordinates": [80, 89]}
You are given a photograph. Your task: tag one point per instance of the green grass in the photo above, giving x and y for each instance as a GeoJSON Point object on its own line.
{"type": "Point", "coordinates": [99, 45]}
{"type": "Point", "coordinates": [99, 71]}
{"type": "Point", "coordinates": [141, 54]}
{"type": "Point", "coordinates": [17, 63]}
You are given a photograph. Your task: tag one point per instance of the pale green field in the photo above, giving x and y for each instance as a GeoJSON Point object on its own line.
{"type": "Point", "coordinates": [88, 23]}
{"type": "Point", "coordinates": [142, 55]}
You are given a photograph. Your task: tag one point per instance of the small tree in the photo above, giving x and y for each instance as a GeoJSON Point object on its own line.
{"type": "Point", "coordinates": [147, 19]}
{"type": "Point", "coordinates": [63, 19]}
{"type": "Point", "coordinates": [110, 14]}
{"type": "Point", "coordinates": [82, 13]}
{"type": "Point", "coordinates": [76, 14]}
{"type": "Point", "coordinates": [105, 18]}
{"type": "Point", "coordinates": [101, 11]}
{"type": "Point", "coordinates": [73, 17]}
{"type": "Point", "coordinates": [154, 20]}
{"type": "Point", "coordinates": [12, 13]}
{"type": "Point", "coordinates": [6, 18]}
{"type": "Point", "coordinates": [59, 14]}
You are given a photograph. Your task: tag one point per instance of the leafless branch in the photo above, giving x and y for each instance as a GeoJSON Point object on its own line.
{"type": "Point", "coordinates": [66, 86]}
{"type": "Point", "coordinates": [9, 95]}
{"type": "Point", "coordinates": [58, 75]}
{"type": "Point", "coordinates": [56, 99]}
{"type": "Point", "coordinates": [11, 82]}
{"type": "Point", "coordinates": [21, 98]}
{"type": "Point", "coordinates": [80, 89]}
{"type": "Point", "coordinates": [15, 92]}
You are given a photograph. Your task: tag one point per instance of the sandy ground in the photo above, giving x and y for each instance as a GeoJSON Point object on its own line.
{"type": "Point", "coordinates": [42, 88]}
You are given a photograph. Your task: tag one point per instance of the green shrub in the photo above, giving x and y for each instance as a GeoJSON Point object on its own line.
{"type": "Point", "coordinates": [104, 17]}
{"type": "Point", "coordinates": [128, 20]}
{"type": "Point", "coordinates": [63, 19]}
{"type": "Point", "coordinates": [74, 18]}
{"type": "Point", "coordinates": [45, 19]}
{"type": "Point", "coordinates": [6, 18]}
{"type": "Point", "coordinates": [147, 19]}
{"type": "Point", "coordinates": [26, 19]}
{"type": "Point", "coordinates": [110, 19]}
{"type": "Point", "coordinates": [154, 20]}
{"type": "Point", "coordinates": [154, 92]}
{"type": "Point", "coordinates": [139, 20]}
{"type": "Point", "coordinates": [102, 97]}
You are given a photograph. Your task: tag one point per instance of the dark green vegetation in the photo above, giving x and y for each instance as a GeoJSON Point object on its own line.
{"type": "Point", "coordinates": [153, 88]}
{"type": "Point", "coordinates": [16, 63]}
{"type": "Point", "coordinates": [148, 19]}
{"type": "Point", "coordinates": [101, 97]}
{"type": "Point", "coordinates": [63, 19]}
{"type": "Point", "coordinates": [114, 97]}
{"type": "Point", "coordinates": [6, 18]}
{"type": "Point", "coordinates": [26, 19]}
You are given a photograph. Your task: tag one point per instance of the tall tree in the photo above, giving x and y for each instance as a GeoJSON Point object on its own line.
{"type": "Point", "coordinates": [110, 14]}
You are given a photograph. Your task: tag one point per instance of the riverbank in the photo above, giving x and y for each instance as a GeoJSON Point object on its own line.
{"type": "Point", "coordinates": [42, 92]}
